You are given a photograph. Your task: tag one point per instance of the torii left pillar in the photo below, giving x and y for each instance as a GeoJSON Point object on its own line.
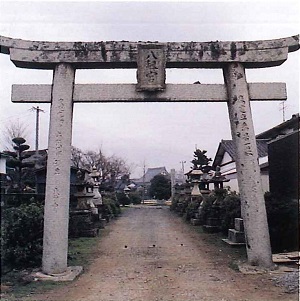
{"type": "Point", "coordinates": [55, 246]}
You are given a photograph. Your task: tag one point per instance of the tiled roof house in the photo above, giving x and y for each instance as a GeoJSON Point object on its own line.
{"type": "Point", "coordinates": [226, 155]}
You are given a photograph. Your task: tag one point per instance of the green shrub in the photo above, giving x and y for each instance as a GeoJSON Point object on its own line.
{"type": "Point", "coordinates": [206, 206]}
{"type": "Point", "coordinates": [174, 203]}
{"type": "Point", "coordinates": [135, 198]}
{"type": "Point", "coordinates": [283, 222]}
{"type": "Point", "coordinates": [111, 206]}
{"type": "Point", "coordinates": [191, 209]}
{"type": "Point", "coordinates": [22, 236]}
{"type": "Point", "coordinates": [230, 208]}
{"type": "Point", "coordinates": [123, 199]}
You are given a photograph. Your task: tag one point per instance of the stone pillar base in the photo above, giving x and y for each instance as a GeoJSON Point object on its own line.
{"type": "Point", "coordinates": [69, 275]}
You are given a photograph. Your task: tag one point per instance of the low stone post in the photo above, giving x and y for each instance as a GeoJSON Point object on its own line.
{"type": "Point", "coordinates": [248, 171]}
{"type": "Point", "coordinates": [56, 216]}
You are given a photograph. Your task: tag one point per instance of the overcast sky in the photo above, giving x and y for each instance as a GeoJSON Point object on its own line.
{"type": "Point", "coordinates": [162, 134]}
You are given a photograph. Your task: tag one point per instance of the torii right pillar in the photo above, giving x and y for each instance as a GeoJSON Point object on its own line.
{"type": "Point", "coordinates": [248, 171]}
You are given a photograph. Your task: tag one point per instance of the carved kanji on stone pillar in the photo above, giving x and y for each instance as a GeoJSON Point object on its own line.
{"type": "Point", "coordinates": [151, 73]}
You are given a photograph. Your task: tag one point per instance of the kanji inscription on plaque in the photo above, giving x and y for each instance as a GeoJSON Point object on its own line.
{"type": "Point", "coordinates": [151, 61]}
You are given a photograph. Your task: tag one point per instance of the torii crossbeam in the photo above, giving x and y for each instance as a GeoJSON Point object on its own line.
{"type": "Point", "coordinates": [150, 59]}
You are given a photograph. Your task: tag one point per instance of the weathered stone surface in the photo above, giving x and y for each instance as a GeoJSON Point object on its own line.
{"type": "Point", "coordinates": [44, 55]}
{"type": "Point", "coordinates": [56, 217]}
{"type": "Point", "coordinates": [248, 171]}
{"type": "Point", "coordinates": [151, 63]}
{"type": "Point", "coordinates": [239, 224]}
{"type": "Point", "coordinates": [69, 275]}
{"type": "Point", "coordinates": [128, 93]}
{"type": "Point", "coordinates": [236, 236]}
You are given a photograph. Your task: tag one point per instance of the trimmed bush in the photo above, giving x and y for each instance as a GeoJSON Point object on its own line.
{"type": "Point", "coordinates": [206, 207]}
{"type": "Point", "coordinates": [22, 236]}
{"type": "Point", "coordinates": [123, 199]}
{"type": "Point", "coordinates": [111, 206]}
{"type": "Point", "coordinates": [135, 198]}
{"type": "Point", "coordinates": [283, 223]}
{"type": "Point", "coordinates": [230, 208]}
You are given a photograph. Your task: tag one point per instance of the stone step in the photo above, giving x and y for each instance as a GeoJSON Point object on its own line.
{"type": "Point", "coordinates": [236, 236]}
{"type": "Point", "coordinates": [211, 229]}
{"type": "Point", "coordinates": [233, 244]}
{"type": "Point", "coordinates": [195, 221]}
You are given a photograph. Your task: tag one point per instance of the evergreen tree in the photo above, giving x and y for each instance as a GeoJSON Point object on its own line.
{"type": "Point", "coordinates": [160, 187]}
{"type": "Point", "coordinates": [201, 161]}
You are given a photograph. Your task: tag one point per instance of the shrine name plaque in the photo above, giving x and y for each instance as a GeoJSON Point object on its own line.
{"type": "Point", "coordinates": [151, 63]}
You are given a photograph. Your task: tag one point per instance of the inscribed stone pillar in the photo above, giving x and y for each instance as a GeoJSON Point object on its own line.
{"type": "Point", "coordinates": [248, 171]}
{"type": "Point", "coordinates": [56, 221]}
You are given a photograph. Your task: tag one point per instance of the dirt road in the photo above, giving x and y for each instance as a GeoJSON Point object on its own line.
{"type": "Point", "coordinates": [151, 254]}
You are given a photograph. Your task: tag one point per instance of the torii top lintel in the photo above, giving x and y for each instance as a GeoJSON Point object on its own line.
{"type": "Point", "coordinates": [122, 54]}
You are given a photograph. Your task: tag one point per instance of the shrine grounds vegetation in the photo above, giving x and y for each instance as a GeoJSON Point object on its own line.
{"type": "Point", "coordinates": [282, 214]}
{"type": "Point", "coordinates": [22, 219]}
{"type": "Point", "coordinates": [22, 226]}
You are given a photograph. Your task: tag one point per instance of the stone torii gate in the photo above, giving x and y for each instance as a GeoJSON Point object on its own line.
{"type": "Point", "coordinates": [150, 59]}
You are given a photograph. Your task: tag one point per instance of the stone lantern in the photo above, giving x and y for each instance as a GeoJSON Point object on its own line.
{"type": "Point", "coordinates": [218, 179]}
{"type": "Point", "coordinates": [97, 198]}
{"type": "Point", "coordinates": [82, 195]}
{"type": "Point", "coordinates": [195, 178]}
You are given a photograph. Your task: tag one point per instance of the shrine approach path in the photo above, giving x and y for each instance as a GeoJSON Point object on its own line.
{"type": "Point", "coordinates": [150, 254]}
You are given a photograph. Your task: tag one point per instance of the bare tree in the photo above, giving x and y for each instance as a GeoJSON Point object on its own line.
{"type": "Point", "coordinates": [77, 157]}
{"type": "Point", "coordinates": [12, 130]}
{"type": "Point", "coordinates": [111, 168]}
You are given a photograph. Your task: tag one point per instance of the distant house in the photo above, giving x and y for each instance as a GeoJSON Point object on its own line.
{"type": "Point", "coordinates": [3, 172]}
{"type": "Point", "coordinates": [283, 158]}
{"type": "Point", "coordinates": [41, 180]}
{"type": "Point", "coordinates": [39, 157]}
{"type": "Point", "coordinates": [226, 156]}
{"type": "Point", "coordinates": [145, 181]}
{"type": "Point", "coordinates": [278, 152]}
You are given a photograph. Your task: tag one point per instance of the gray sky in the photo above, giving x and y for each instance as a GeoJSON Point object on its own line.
{"type": "Point", "coordinates": [162, 134]}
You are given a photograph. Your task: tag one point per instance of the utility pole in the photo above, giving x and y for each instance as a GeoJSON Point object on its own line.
{"type": "Point", "coordinates": [182, 168]}
{"type": "Point", "coordinates": [283, 107]}
{"type": "Point", "coordinates": [143, 192]}
{"type": "Point", "coordinates": [38, 110]}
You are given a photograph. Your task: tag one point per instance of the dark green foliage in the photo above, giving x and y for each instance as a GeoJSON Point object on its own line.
{"type": "Point", "coordinates": [160, 187]}
{"type": "Point", "coordinates": [230, 208]}
{"type": "Point", "coordinates": [111, 206]}
{"type": "Point", "coordinates": [221, 204]}
{"type": "Point", "coordinates": [20, 171]}
{"type": "Point", "coordinates": [191, 209]}
{"type": "Point", "coordinates": [206, 206]}
{"type": "Point", "coordinates": [201, 161]}
{"type": "Point", "coordinates": [123, 199]}
{"type": "Point", "coordinates": [22, 236]}
{"type": "Point", "coordinates": [135, 197]}
{"type": "Point", "coordinates": [174, 203]}
{"type": "Point", "coordinates": [283, 222]}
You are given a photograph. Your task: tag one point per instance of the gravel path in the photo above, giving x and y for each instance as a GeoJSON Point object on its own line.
{"type": "Point", "coordinates": [150, 254]}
